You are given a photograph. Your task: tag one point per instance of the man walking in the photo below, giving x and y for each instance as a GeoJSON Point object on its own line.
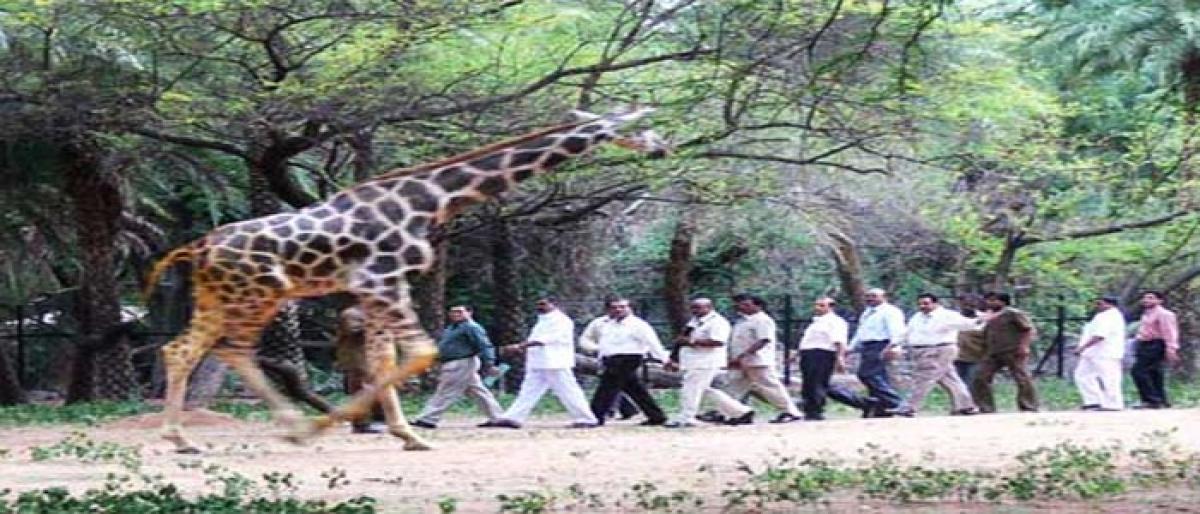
{"type": "Point", "coordinates": [970, 342]}
{"type": "Point", "coordinates": [622, 340]}
{"type": "Point", "coordinates": [879, 326]}
{"type": "Point", "coordinates": [752, 361]}
{"type": "Point", "coordinates": [932, 342]}
{"type": "Point", "coordinates": [464, 345]}
{"type": "Point", "coordinates": [1157, 339]}
{"type": "Point", "coordinates": [702, 354]}
{"type": "Point", "coordinates": [822, 350]}
{"type": "Point", "coordinates": [1008, 337]}
{"type": "Point", "coordinates": [550, 357]}
{"type": "Point", "coordinates": [1101, 348]}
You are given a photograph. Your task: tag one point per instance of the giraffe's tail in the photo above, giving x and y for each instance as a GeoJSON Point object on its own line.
{"type": "Point", "coordinates": [184, 253]}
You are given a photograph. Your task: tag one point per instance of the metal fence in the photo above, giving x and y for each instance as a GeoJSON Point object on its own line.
{"type": "Point", "coordinates": [37, 335]}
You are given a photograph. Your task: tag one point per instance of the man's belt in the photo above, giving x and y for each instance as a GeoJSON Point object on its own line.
{"type": "Point", "coordinates": [939, 345]}
{"type": "Point", "coordinates": [865, 341]}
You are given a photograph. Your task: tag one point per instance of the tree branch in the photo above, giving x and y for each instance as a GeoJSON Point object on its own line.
{"type": "Point", "coordinates": [1102, 231]}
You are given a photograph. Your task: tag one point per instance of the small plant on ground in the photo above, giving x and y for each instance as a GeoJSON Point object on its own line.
{"type": "Point", "coordinates": [79, 446]}
{"type": "Point", "coordinates": [528, 502]}
{"type": "Point", "coordinates": [447, 505]}
{"type": "Point", "coordinates": [1065, 470]}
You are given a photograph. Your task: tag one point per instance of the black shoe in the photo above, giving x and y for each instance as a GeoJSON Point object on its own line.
{"type": "Point", "coordinates": [744, 419]}
{"type": "Point", "coordinates": [906, 412]}
{"type": "Point", "coordinates": [814, 417]}
{"type": "Point", "coordinates": [969, 411]}
{"type": "Point", "coordinates": [1090, 406]}
{"type": "Point", "coordinates": [870, 408]}
{"type": "Point", "coordinates": [679, 424]}
{"type": "Point", "coordinates": [711, 416]}
{"type": "Point", "coordinates": [652, 423]}
{"type": "Point", "coordinates": [582, 424]}
{"type": "Point", "coordinates": [500, 423]}
{"type": "Point", "coordinates": [1148, 406]}
{"type": "Point", "coordinates": [784, 417]}
{"type": "Point", "coordinates": [368, 428]}
{"type": "Point", "coordinates": [424, 424]}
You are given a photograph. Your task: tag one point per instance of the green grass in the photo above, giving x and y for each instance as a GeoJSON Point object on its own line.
{"type": "Point", "coordinates": [1054, 394]}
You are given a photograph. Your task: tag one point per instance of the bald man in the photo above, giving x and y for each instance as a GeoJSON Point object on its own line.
{"type": "Point", "coordinates": [879, 326]}
{"type": "Point", "coordinates": [702, 354]}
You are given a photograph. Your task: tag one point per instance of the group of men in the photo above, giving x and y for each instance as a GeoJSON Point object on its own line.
{"type": "Point", "coordinates": [948, 348]}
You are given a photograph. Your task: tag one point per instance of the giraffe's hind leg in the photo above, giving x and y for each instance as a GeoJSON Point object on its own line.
{"type": "Point", "coordinates": [244, 323]}
{"type": "Point", "coordinates": [180, 356]}
{"type": "Point", "coordinates": [382, 362]}
{"type": "Point", "coordinates": [390, 320]}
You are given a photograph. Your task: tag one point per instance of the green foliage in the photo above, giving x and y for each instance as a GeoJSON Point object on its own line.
{"type": "Point", "coordinates": [529, 502]}
{"type": "Point", "coordinates": [1063, 471]}
{"type": "Point", "coordinates": [88, 413]}
{"type": "Point", "coordinates": [79, 446]}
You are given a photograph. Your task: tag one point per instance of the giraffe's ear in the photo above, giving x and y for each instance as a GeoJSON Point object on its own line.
{"type": "Point", "coordinates": [584, 115]}
{"type": "Point", "coordinates": [633, 115]}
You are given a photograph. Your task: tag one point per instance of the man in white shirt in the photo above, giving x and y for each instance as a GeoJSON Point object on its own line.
{"type": "Point", "coordinates": [752, 361]}
{"type": "Point", "coordinates": [622, 340]}
{"type": "Point", "coordinates": [879, 325]}
{"type": "Point", "coordinates": [549, 359]}
{"type": "Point", "coordinates": [822, 350]}
{"type": "Point", "coordinates": [702, 354]}
{"type": "Point", "coordinates": [932, 342]}
{"type": "Point", "coordinates": [1101, 348]}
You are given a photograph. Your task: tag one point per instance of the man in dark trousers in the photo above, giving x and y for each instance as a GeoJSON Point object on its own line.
{"type": "Point", "coordinates": [622, 339]}
{"type": "Point", "coordinates": [822, 351]}
{"type": "Point", "coordinates": [1157, 340]}
{"type": "Point", "coordinates": [1008, 337]}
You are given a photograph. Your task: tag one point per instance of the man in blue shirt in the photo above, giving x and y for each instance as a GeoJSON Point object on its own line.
{"type": "Point", "coordinates": [464, 345]}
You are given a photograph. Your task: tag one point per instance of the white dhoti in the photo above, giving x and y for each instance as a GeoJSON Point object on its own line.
{"type": "Point", "coordinates": [1099, 381]}
{"type": "Point", "coordinates": [562, 382]}
{"type": "Point", "coordinates": [696, 384]}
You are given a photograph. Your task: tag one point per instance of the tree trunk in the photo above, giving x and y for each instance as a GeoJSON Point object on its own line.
{"type": "Point", "coordinates": [281, 338]}
{"type": "Point", "coordinates": [1189, 185]}
{"type": "Point", "coordinates": [676, 278]}
{"type": "Point", "coordinates": [849, 269]}
{"type": "Point", "coordinates": [429, 288]}
{"type": "Point", "coordinates": [1004, 265]}
{"type": "Point", "coordinates": [11, 392]}
{"type": "Point", "coordinates": [508, 325]}
{"type": "Point", "coordinates": [106, 374]}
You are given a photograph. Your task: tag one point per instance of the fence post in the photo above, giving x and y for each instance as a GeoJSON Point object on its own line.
{"type": "Point", "coordinates": [1060, 339]}
{"type": "Point", "coordinates": [787, 339]}
{"type": "Point", "coordinates": [21, 345]}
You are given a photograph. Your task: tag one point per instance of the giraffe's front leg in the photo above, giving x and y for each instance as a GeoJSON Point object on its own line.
{"type": "Point", "coordinates": [180, 356]}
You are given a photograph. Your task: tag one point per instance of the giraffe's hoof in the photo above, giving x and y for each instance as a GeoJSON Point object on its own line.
{"type": "Point", "coordinates": [416, 445]}
{"type": "Point", "coordinates": [304, 431]}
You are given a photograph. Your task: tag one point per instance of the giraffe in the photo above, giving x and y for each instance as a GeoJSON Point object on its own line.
{"type": "Point", "coordinates": [363, 240]}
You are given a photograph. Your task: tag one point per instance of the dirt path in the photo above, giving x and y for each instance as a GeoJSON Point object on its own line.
{"type": "Point", "coordinates": [474, 465]}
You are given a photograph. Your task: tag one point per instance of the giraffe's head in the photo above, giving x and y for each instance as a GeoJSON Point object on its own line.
{"type": "Point", "coordinates": [609, 125]}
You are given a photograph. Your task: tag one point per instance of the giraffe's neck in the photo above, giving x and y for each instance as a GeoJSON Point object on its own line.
{"type": "Point", "coordinates": [479, 179]}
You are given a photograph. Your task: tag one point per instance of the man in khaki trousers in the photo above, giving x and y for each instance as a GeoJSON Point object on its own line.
{"type": "Point", "coordinates": [752, 361]}
{"type": "Point", "coordinates": [931, 338]}
{"type": "Point", "coordinates": [463, 346]}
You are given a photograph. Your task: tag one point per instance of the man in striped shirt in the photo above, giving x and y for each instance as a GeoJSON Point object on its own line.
{"type": "Point", "coordinates": [1157, 340]}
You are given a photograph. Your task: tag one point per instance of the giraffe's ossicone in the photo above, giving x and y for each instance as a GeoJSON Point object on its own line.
{"type": "Point", "coordinates": [363, 240]}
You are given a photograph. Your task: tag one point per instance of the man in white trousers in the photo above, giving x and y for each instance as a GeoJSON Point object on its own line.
{"type": "Point", "coordinates": [702, 354]}
{"type": "Point", "coordinates": [550, 357]}
{"type": "Point", "coordinates": [1101, 348]}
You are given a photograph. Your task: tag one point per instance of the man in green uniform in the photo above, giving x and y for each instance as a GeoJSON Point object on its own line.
{"type": "Point", "coordinates": [1008, 337]}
